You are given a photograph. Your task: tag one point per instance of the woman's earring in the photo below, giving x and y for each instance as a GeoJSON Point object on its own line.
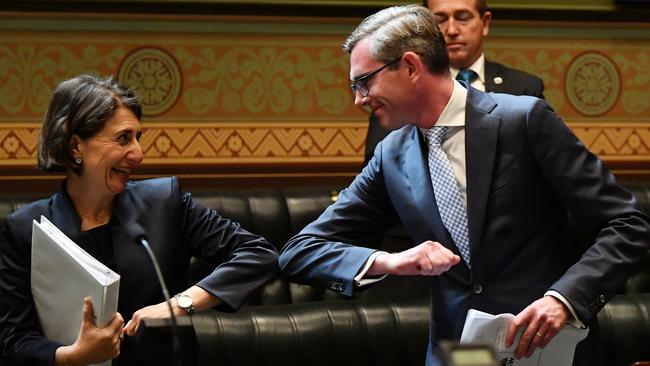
{"type": "Point", "coordinates": [78, 161]}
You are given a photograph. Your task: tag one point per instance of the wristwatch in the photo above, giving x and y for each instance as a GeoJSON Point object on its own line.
{"type": "Point", "coordinates": [184, 302]}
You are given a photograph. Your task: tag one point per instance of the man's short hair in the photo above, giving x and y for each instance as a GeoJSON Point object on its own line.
{"type": "Point", "coordinates": [399, 29]}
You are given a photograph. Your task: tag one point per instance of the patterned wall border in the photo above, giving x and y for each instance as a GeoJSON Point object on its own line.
{"type": "Point", "coordinates": [217, 144]}
{"type": "Point", "coordinates": [212, 145]}
{"type": "Point", "coordinates": [616, 142]}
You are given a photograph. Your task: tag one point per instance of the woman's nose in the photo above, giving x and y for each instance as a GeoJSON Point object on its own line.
{"type": "Point", "coordinates": [136, 155]}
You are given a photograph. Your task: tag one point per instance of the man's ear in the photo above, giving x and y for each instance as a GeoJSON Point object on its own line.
{"type": "Point", "coordinates": [413, 63]}
{"type": "Point", "coordinates": [487, 19]}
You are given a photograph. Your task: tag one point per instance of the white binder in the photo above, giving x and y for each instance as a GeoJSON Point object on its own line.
{"type": "Point", "coordinates": [481, 327]}
{"type": "Point", "coordinates": [62, 275]}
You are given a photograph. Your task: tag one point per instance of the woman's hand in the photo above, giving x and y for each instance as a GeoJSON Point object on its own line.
{"type": "Point", "coordinates": [201, 299]}
{"type": "Point", "coordinates": [153, 311]}
{"type": "Point", "coordinates": [93, 345]}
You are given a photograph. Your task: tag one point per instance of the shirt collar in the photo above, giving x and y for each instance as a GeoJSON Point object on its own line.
{"type": "Point", "coordinates": [478, 67]}
{"type": "Point", "coordinates": [454, 112]}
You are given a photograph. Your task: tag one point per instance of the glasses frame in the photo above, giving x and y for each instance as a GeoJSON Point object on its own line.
{"type": "Point", "coordinates": [360, 85]}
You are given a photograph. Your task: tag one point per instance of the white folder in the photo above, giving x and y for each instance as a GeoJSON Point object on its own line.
{"type": "Point", "coordinates": [481, 327]}
{"type": "Point", "coordinates": [62, 275]}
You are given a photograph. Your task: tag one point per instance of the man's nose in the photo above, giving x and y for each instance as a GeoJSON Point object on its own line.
{"type": "Point", "coordinates": [451, 28]}
{"type": "Point", "coordinates": [360, 100]}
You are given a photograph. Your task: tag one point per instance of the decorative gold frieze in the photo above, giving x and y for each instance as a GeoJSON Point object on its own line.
{"type": "Point", "coordinates": [222, 143]}
{"type": "Point", "coordinates": [29, 70]}
{"type": "Point", "coordinates": [282, 143]}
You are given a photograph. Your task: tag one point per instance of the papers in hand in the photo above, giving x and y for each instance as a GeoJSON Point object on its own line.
{"type": "Point", "coordinates": [62, 275]}
{"type": "Point", "coordinates": [491, 329]}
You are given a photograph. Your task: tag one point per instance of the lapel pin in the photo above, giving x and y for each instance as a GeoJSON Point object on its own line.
{"type": "Point", "coordinates": [498, 80]}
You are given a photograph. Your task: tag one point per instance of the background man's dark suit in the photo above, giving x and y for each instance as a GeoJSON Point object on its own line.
{"type": "Point", "coordinates": [178, 228]}
{"type": "Point", "coordinates": [512, 81]}
{"type": "Point", "coordinates": [524, 169]}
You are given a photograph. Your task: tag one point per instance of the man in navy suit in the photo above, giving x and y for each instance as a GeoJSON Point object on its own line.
{"type": "Point", "coordinates": [516, 170]}
{"type": "Point", "coordinates": [465, 24]}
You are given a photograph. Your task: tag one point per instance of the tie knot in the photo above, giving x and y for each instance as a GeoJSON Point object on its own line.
{"type": "Point", "coordinates": [466, 75]}
{"type": "Point", "coordinates": [435, 135]}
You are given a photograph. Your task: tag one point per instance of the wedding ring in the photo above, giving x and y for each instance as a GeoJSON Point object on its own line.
{"type": "Point", "coordinates": [539, 334]}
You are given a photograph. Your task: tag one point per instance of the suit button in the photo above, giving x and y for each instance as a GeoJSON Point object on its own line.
{"type": "Point", "coordinates": [477, 289]}
{"type": "Point", "coordinates": [602, 299]}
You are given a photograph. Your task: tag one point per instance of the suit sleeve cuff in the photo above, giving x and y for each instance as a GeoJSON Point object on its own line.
{"type": "Point", "coordinates": [359, 279]}
{"type": "Point", "coordinates": [574, 318]}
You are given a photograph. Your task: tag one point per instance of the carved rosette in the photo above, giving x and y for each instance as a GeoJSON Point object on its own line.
{"type": "Point", "coordinates": [155, 77]}
{"type": "Point", "coordinates": [592, 84]}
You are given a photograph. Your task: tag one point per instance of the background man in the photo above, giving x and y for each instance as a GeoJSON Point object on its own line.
{"type": "Point", "coordinates": [482, 183]}
{"type": "Point", "coordinates": [465, 23]}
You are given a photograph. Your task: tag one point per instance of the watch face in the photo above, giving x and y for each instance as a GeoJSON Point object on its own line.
{"type": "Point", "coordinates": [184, 301]}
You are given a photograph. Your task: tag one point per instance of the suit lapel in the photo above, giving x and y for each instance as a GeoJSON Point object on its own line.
{"type": "Point", "coordinates": [481, 133]}
{"type": "Point", "coordinates": [64, 215]}
{"type": "Point", "coordinates": [417, 172]}
{"type": "Point", "coordinates": [493, 71]}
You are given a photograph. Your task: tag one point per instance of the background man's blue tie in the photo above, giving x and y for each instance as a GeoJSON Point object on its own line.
{"type": "Point", "coordinates": [467, 75]}
{"type": "Point", "coordinates": [445, 188]}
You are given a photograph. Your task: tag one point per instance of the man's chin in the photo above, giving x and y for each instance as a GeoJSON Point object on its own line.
{"type": "Point", "coordinates": [390, 125]}
{"type": "Point", "coordinates": [456, 60]}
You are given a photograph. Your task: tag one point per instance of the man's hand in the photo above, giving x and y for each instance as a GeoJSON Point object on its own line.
{"type": "Point", "coordinates": [427, 259]}
{"type": "Point", "coordinates": [541, 321]}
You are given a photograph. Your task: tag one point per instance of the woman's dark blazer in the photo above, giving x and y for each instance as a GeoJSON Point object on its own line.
{"type": "Point", "coordinates": [177, 227]}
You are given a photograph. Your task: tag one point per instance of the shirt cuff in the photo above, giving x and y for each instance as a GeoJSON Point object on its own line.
{"type": "Point", "coordinates": [574, 321]}
{"type": "Point", "coordinates": [359, 280]}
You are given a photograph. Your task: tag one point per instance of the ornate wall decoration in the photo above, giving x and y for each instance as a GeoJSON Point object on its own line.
{"type": "Point", "coordinates": [585, 79]}
{"type": "Point", "coordinates": [209, 78]}
{"type": "Point", "coordinates": [207, 143]}
{"type": "Point", "coordinates": [271, 80]}
{"type": "Point", "coordinates": [29, 70]}
{"type": "Point", "coordinates": [18, 144]}
{"type": "Point", "coordinates": [222, 93]}
{"type": "Point", "coordinates": [276, 143]}
{"type": "Point", "coordinates": [592, 84]}
{"type": "Point", "coordinates": [155, 77]}
{"type": "Point", "coordinates": [636, 95]}
{"type": "Point", "coordinates": [612, 141]}
{"type": "Point", "coordinates": [210, 143]}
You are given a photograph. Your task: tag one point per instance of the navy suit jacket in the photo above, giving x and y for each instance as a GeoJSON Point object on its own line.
{"type": "Point", "coordinates": [525, 168]}
{"type": "Point", "coordinates": [513, 82]}
{"type": "Point", "coordinates": [177, 228]}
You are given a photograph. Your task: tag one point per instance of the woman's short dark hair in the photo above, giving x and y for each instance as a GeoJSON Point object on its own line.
{"type": "Point", "coordinates": [79, 106]}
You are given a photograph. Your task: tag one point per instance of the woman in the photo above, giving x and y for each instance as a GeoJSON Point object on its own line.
{"type": "Point", "coordinates": [91, 133]}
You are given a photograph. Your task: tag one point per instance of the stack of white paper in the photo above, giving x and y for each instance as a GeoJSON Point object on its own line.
{"type": "Point", "coordinates": [63, 274]}
{"type": "Point", "coordinates": [491, 329]}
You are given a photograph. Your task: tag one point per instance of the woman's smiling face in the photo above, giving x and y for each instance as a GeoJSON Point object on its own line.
{"type": "Point", "coordinates": [111, 155]}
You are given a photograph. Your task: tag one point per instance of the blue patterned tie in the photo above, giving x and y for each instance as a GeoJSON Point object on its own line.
{"type": "Point", "coordinates": [445, 188]}
{"type": "Point", "coordinates": [467, 75]}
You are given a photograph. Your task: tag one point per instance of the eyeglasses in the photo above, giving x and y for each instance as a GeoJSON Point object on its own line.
{"type": "Point", "coordinates": [360, 85]}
